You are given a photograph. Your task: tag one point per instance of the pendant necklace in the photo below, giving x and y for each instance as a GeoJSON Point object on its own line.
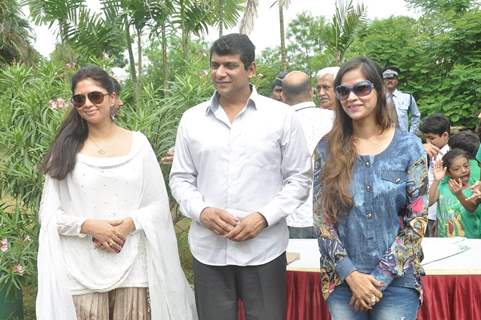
{"type": "Point", "coordinates": [100, 150]}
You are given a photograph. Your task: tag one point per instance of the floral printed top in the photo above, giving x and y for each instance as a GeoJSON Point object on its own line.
{"type": "Point", "coordinates": [382, 233]}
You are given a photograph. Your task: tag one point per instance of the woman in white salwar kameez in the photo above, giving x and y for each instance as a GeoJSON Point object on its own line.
{"type": "Point", "coordinates": [107, 246]}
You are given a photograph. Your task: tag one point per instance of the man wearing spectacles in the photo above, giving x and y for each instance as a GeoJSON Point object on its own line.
{"type": "Point", "coordinates": [325, 87]}
{"type": "Point", "coordinates": [404, 103]}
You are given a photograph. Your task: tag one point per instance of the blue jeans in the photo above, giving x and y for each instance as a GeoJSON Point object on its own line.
{"type": "Point", "coordinates": [397, 303]}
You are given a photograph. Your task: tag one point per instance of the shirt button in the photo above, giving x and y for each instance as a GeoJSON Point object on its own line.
{"type": "Point", "coordinates": [369, 215]}
{"type": "Point", "coordinates": [368, 188]}
{"type": "Point", "coordinates": [368, 164]}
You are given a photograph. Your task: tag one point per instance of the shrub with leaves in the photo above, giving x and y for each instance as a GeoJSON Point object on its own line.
{"type": "Point", "coordinates": [17, 247]}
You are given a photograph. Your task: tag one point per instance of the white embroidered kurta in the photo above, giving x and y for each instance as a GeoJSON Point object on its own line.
{"type": "Point", "coordinates": [110, 188]}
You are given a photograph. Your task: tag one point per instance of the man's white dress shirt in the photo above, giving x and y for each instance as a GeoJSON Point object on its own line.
{"type": "Point", "coordinates": [259, 162]}
{"type": "Point", "coordinates": [316, 123]}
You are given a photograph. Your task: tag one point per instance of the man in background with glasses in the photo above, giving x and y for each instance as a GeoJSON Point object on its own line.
{"type": "Point", "coordinates": [325, 87]}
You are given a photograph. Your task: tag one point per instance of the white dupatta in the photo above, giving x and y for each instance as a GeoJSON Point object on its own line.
{"type": "Point", "coordinates": [171, 297]}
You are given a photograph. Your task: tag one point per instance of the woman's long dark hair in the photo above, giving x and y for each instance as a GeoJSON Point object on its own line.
{"type": "Point", "coordinates": [61, 158]}
{"type": "Point", "coordinates": [336, 176]}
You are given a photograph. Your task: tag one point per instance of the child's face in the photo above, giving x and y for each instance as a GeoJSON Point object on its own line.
{"type": "Point", "coordinates": [438, 140]}
{"type": "Point", "coordinates": [459, 169]}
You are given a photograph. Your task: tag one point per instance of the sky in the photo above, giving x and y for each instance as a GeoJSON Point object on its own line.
{"type": "Point", "coordinates": [266, 26]}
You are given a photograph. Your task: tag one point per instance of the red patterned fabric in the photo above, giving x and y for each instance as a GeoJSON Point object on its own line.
{"type": "Point", "coordinates": [447, 297]}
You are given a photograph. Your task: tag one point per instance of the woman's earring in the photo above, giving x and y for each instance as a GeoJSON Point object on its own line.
{"type": "Point", "coordinates": [113, 112]}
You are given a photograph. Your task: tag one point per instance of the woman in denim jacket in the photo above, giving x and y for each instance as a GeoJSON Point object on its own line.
{"type": "Point", "coordinates": [370, 203]}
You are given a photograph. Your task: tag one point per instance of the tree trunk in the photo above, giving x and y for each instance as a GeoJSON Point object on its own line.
{"type": "Point", "coordinates": [185, 33]}
{"type": "Point", "coordinates": [221, 17]}
{"type": "Point", "coordinates": [283, 43]}
{"type": "Point", "coordinates": [139, 62]}
{"type": "Point", "coordinates": [165, 62]}
{"type": "Point", "coordinates": [133, 74]}
{"type": "Point", "coordinates": [139, 53]}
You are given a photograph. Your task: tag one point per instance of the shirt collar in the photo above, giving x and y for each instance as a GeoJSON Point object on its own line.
{"type": "Point", "coordinates": [303, 105]}
{"type": "Point", "coordinates": [251, 101]}
{"type": "Point", "coordinates": [396, 92]}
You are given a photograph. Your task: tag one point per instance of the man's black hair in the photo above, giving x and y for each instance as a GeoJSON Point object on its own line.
{"type": "Point", "coordinates": [465, 140]}
{"type": "Point", "coordinates": [436, 123]}
{"type": "Point", "coordinates": [278, 80]}
{"type": "Point", "coordinates": [235, 43]}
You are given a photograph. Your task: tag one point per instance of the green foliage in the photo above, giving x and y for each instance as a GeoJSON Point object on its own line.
{"type": "Point", "coordinates": [308, 44]}
{"type": "Point", "coordinates": [225, 13]}
{"type": "Point", "coordinates": [29, 125]}
{"type": "Point", "coordinates": [197, 65]}
{"type": "Point", "coordinates": [268, 66]}
{"type": "Point", "coordinates": [17, 247]}
{"type": "Point", "coordinates": [343, 28]}
{"type": "Point", "coordinates": [438, 55]}
{"type": "Point", "coordinates": [14, 34]}
{"type": "Point", "coordinates": [436, 6]}
{"type": "Point", "coordinates": [94, 36]}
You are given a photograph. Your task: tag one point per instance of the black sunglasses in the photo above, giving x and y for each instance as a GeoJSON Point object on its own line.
{"type": "Point", "coordinates": [360, 89]}
{"type": "Point", "coordinates": [96, 97]}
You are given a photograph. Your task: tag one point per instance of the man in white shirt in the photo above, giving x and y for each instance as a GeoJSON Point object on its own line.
{"type": "Point", "coordinates": [241, 166]}
{"type": "Point", "coordinates": [436, 129]}
{"type": "Point", "coordinates": [316, 122]}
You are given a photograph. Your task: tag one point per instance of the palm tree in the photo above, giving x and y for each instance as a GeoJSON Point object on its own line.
{"type": "Point", "coordinates": [227, 13]}
{"type": "Point", "coordinates": [345, 23]}
{"type": "Point", "coordinates": [282, 5]}
{"type": "Point", "coordinates": [14, 34]}
{"type": "Point", "coordinates": [51, 12]}
{"type": "Point", "coordinates": [193, 17]}
{"type": "Point", "coordinates": [250, 13]}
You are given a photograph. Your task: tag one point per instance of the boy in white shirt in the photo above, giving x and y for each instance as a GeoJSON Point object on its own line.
{"type": "Point", "coordinates": [436, 129]}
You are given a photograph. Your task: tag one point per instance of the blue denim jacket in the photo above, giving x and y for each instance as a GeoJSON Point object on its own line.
{"type": "Point", "coordinates": [382, 233]}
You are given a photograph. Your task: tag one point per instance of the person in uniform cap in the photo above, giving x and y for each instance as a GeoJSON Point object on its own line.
{"type": "Point", "coordinates": [404, 103]}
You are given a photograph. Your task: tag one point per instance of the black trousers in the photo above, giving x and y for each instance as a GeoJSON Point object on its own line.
{"type": "Point", "coordinates": [262, 288]}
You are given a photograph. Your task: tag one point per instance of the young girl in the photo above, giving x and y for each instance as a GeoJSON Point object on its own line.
{"type": "Point", "coordinates": [107, 246]}
{"type": "Point", "coordinates": [457, 215]}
